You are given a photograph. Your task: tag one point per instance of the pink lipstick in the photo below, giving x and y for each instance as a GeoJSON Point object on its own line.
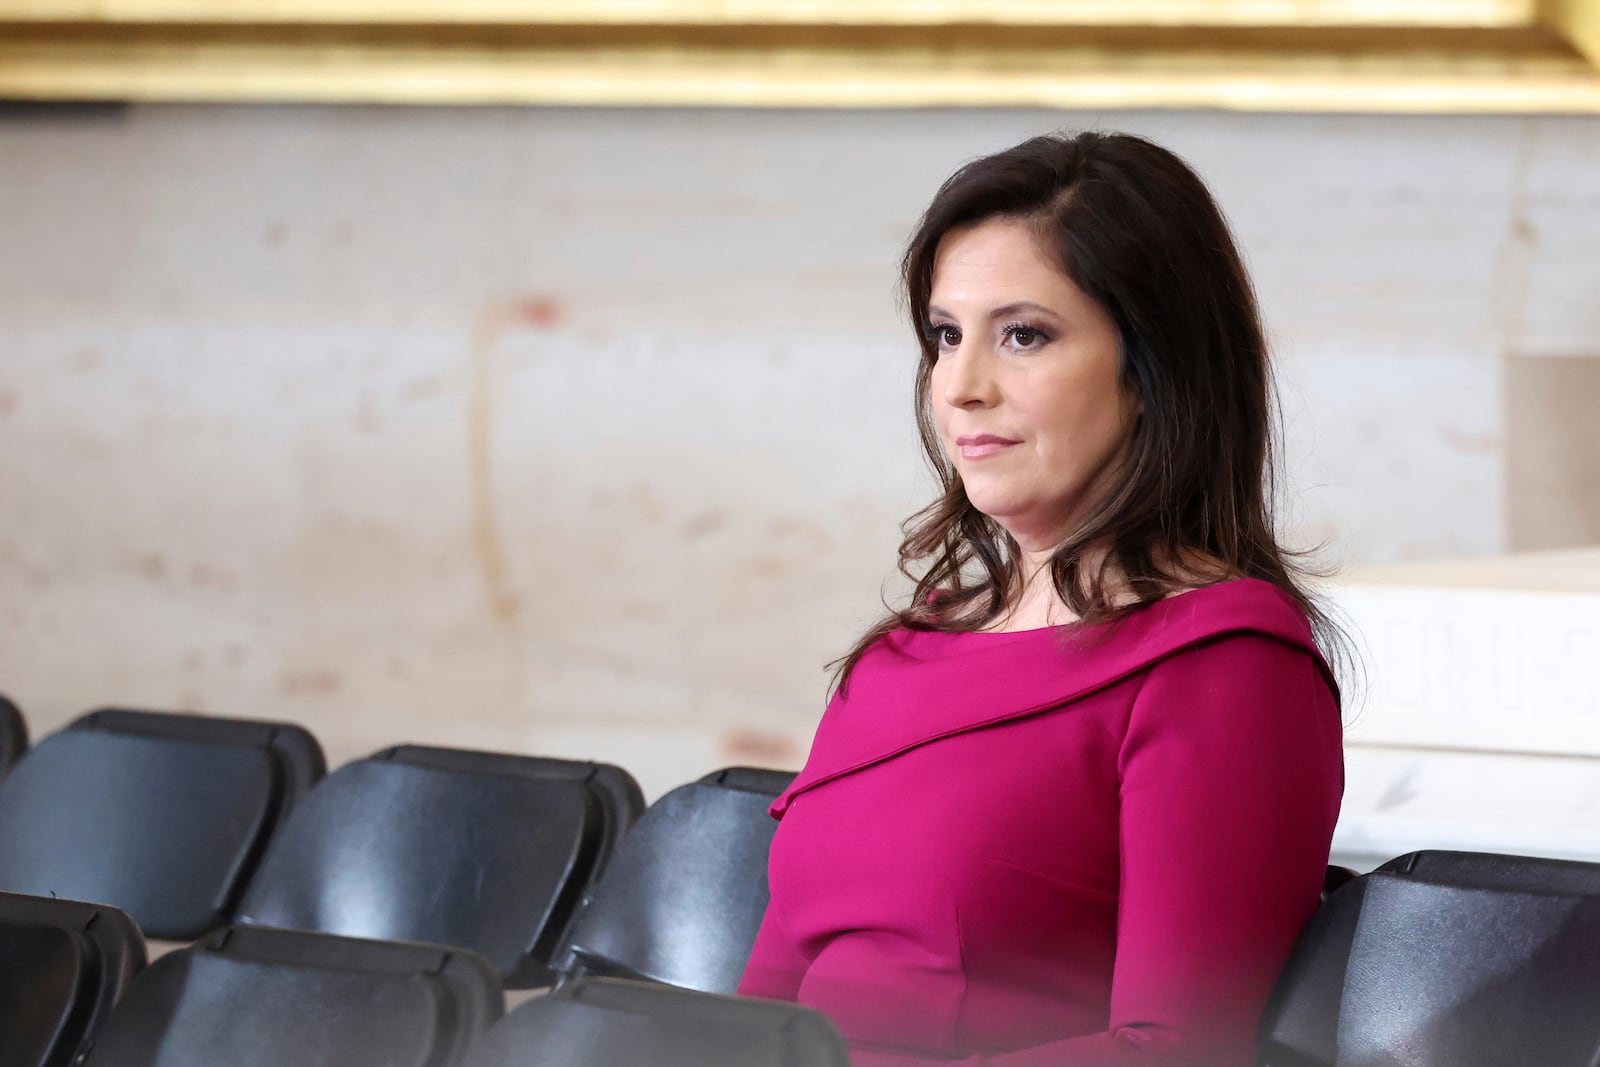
{"type": "Point", "coordinates": [982, 445]}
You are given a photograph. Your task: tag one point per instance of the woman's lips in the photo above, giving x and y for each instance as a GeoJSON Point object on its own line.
{"type": "Point", "coordinates": [982, 445]}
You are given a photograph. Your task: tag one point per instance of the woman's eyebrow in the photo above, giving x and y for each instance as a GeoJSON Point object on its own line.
{"type": "Point", "coordinates": [1006, 311]}
{"type": "Point", "coordinates": [1018, 308]}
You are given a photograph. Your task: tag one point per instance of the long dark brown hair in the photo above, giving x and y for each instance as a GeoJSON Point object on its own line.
{"type": "Point", "coordinates": [1134, 228]}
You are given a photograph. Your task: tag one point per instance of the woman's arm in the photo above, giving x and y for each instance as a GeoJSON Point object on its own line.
{"type": "Point", "coordinates": [775, 966]}
{"type": "Point", "coordinates": [1231, 774]}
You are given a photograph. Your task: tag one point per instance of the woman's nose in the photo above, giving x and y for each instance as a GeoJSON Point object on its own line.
{"type": "Point", "coordinates": [968, 382]}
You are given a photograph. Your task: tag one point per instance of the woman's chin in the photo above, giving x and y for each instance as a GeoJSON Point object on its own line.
{"type": "Point", "coordinates": [1035, 529]}
{"type": "Point", "coordinates": [1003, 509]}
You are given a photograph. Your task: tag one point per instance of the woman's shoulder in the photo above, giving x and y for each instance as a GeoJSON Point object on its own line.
{"type": "Point", "coordinates": [1251, 623]}
{"type": "Point", "coordinates": [1235, 605]}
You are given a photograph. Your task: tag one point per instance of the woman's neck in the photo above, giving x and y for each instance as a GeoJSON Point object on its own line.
{"type": "Point", "coordinates": [1040, 605]}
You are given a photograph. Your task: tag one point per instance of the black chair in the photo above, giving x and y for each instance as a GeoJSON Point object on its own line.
{"type": "Point", "coordinates": [163, 816]}
{"type": "Point", "coordinates": [270, 998]}
{"type": "Point", "coordinates": [487, 852]}
{"type": "Point", "coordinates": [13, 734]}
{"type": "Point", "coordinates": [1396, 970]}
{"type": "Point", "coordinates": [604, 1022]}
{"type": "Point", "coordinates": [751, 779]}
{"type": "Point", "coordinates": [63, 964]}
{"type": "Point", "coordinates": [683, 899]}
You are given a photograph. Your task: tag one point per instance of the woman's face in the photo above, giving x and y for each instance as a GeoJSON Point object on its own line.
{"type": "Point", "coordinates": [1025, 390]}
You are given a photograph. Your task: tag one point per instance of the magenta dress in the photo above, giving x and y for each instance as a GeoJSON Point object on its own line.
{"type": "Point", "coordinates": [1023, 850]}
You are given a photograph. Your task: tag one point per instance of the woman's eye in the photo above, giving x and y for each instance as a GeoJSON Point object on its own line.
{"type": "Point", "coordinates": [945, 336]}
{"type": "Point", "coordinates": [1024, 336]}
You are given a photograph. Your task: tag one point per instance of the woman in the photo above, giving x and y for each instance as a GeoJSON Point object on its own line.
{"type": "Point", "coordinates": [1072, 806]}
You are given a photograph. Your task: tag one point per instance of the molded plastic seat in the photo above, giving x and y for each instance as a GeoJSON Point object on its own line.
{"type": "Point", "coordinates": [63, 964]}
{"type": "Point", "coordinates": [751, 779]}
{"type": "Point", "coordinates": [164, 816]}
{"type": "Point", "coordinates": [1430, 974]}
{"type": "Point", "coordinates": [13, 734]}
{"type": "Point", "coordinates": [604, 1022]}
{"type": "Point", "coordinates": [684, 897]}
{"type": "Point", "coordinates": [270, 998]}
{"type": "Point", "coordinates": [493, 860]}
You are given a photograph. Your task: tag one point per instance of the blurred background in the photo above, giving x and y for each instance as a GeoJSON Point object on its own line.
{"type": "Point", "coordinates": [530, 376]}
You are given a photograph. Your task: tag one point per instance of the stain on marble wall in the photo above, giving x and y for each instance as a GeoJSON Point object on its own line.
{"type": "Point", "coordinates": [588, 432]}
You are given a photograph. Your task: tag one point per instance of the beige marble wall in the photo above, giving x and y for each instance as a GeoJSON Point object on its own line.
{"type": "Point", "coordinates": [587, 432]}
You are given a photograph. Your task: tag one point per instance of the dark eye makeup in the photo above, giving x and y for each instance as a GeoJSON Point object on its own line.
{"type": "Point", "coordinates": [1024, 336]}
{"type": "Point", "coordinates": [1021, 333]}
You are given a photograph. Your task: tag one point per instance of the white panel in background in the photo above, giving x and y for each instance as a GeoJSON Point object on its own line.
{"type": "Point", "coordinates": [1479, 725]}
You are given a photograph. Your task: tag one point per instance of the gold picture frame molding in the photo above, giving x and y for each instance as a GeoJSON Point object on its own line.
{"type": "Point", "coordinates": [1426, 56]}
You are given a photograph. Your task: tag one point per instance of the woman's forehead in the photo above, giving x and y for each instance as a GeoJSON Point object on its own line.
{"type": "Point", "coordinates": [996, 266]}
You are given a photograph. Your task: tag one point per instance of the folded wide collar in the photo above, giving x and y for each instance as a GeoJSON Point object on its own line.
{"type": "Point", "coordinates": [912, 688]}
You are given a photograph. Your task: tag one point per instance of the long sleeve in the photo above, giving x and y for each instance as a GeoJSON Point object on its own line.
{"type": "Point", "coordinates": [776, 967]}
{"type": "Point", "coordinates": [1230, 778]}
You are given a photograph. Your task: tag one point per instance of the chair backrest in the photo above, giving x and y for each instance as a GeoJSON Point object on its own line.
{"type": "Point", "coordinates": [1495, 871]}
{"type": "Point", "coordinates": [618, 794]}
{"type": "Point", "coordinates": [163, 816]}
{"type": "Point", "coordinates": [752, 779]}
{"type": "Point", "coordinates": [63, 964]}
{"type": "Point", "coordinates": [267, 998]}
{"type": "Point", "coordinates": [1401, 970]}
{"type": "Point", "coordinates": [1300, 1026]}
{"type": "Point", "coordinates": [604, 1022]}
{"type": "Point", "coordinates": [450, 853]}
{"type": "Point", "coordinates": [13, 734]}
{"type": "Point", "coordinates": [684, 897]}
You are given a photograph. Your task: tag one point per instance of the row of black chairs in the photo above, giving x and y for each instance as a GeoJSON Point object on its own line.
{"type": "Point", "coordinates": [1463, 959]}
{"type": "Point", "coordinates": [443, 872]}
{"type": "Point", "coordinates": [74, 990]}
{"type": "Point", "coordinates": [189, 823]}
{"type": "Point", "coordinates": [1437, 959]}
